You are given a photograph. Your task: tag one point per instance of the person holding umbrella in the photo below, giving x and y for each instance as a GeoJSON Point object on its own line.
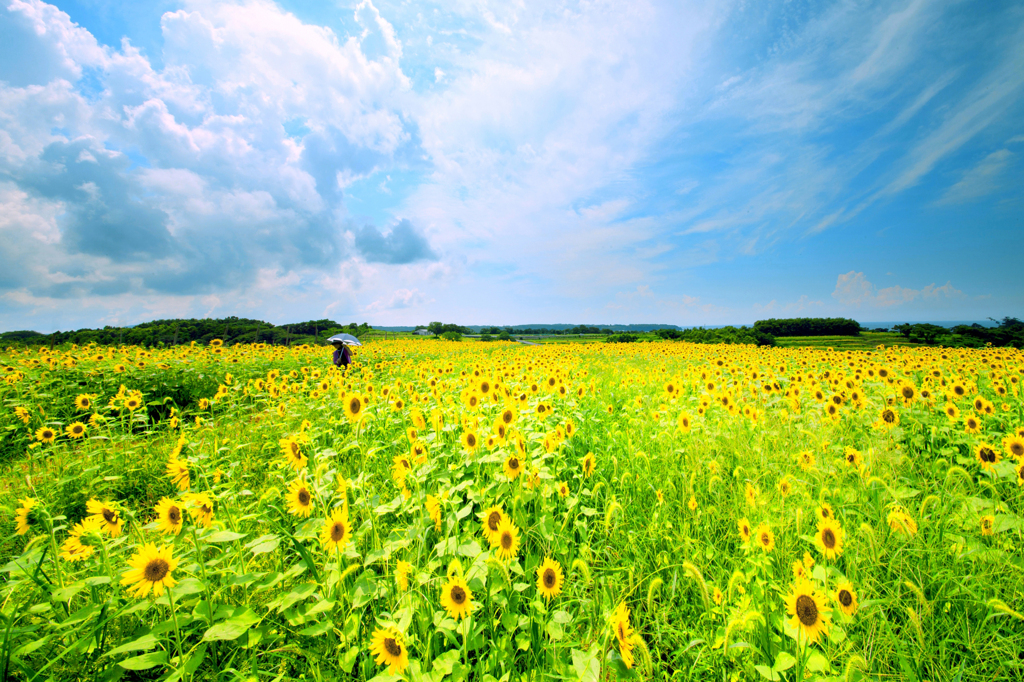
{"type": "Point", "coordinates": [342, 355]}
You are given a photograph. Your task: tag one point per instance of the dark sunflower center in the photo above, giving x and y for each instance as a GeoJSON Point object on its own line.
{"type": "Point", "coordinates": [294, 448]}
{"type": "Point", "coordinates": [110, 516]}
{"type": "Point", "coordinates": [303, 497]}
{"type": "Point", "coordinates": [392, 647]}
{"type": "Point", "coordinates": [337, 531]}
{"type": "Point", "coordinates": [493, 520]}
{"type": "Point", "coordinates": [156, 570]}
{"type": "Point", "coordinates": [77, 429]}
{"type": "Point", "coordinates": [506, 540]}
{"type": "Point", "coordinates": [506, 416]}
{"type": "Point", "coordinates": [845, 598]}
{"type": "Point", "coordinates": [1017, 449]}
{"type": "Point", "coordinates": [355, 406]}
{"type": "Point", "coordinates": [746, 531]}
{"type": "Point", "coordinates": [889, 416]}
{"type": "Point", "coordinates": [549, 578]}
{"type": "Point", "coordinates": [908, 392]}
{"type": "Point", "coordinates": [513, 463]}
{"type": "Point", "coordinates": [765, 539]}
{"type": "Point", "coordinates": [621, 631]}
{"type": "Point", "coordinates": [471, 440]}
{"type": "Point", "coordinates": [987, 455]}
{"type": "Point", "coordinates": [806, 610]}
{"type": "Point", "coordinates": [458, 595]}
{"type": "Point", "coordinates": [828, 538]}
{"type": "Point", "coordinates": [174, 515]}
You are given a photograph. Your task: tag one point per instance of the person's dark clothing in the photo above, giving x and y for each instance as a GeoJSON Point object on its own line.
{"type": "Point", "coordinates": [342, 356]}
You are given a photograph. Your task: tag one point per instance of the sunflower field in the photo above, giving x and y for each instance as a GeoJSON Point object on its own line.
{"type": "Point", "coordinates": [498, 512]}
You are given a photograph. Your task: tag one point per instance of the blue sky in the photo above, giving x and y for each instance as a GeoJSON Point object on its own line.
{"type": "Point", "coordinates": [505, 163]}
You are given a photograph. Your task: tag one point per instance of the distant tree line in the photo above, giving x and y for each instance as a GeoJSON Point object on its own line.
{"type": "Point", "coordinates": [1008, 332]}
{"type": "Point", "coordinates": [809, 326]}
{"type": "Point", "coordinates": [231, 330]}
{"type": "Point", "coordinates": [743, 335]}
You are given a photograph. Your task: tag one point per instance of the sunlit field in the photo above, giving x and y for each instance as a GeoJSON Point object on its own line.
{"type": "Point", "coordinates": [496, 512]}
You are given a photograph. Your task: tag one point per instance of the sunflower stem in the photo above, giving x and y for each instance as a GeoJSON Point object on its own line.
{"type": "Point", "coordinates": [174, 617]}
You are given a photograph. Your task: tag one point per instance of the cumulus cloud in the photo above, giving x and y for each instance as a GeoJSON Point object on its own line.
{"type": "Point", "coordinates": [198, 177]}
{"type": "Point", "coordinates": [855, 291]}
{"type": "Point", "coordinates": [399, 300]}
{"type": "Point", "coordinates": [399, 246]}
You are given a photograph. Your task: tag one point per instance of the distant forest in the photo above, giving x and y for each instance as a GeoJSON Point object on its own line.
{"type": "Point", "coordinates": [231, 330]}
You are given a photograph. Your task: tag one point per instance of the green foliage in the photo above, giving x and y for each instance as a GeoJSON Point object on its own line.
{"type": "Point", "coordinates": [1009, 332]}
{"type": "Point", "coordinates": [231, 330]}
{"type": "Point", "coordinates": [729, 335]}
{"type": "Point", "coordinates": [809, 326]}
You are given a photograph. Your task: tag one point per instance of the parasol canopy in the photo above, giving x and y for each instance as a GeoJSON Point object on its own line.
{"type": "Point", "coordinates": [346, 339]}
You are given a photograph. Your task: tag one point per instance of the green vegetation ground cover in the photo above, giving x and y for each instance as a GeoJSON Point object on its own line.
{"type": "Point", "coordinates": [685, 444]}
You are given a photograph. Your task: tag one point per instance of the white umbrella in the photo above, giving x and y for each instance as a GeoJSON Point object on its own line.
{"type": "Point", "coordinates": [346, 339]}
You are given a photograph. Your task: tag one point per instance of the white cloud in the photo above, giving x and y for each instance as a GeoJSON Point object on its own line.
{"type": "Point", "coordinates": [981, 180]}
{"type": "Point", "coordinates": [853, 290]}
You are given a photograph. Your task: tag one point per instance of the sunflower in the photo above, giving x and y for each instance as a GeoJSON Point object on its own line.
{"type": "Point", "coordinates": [76, 430]}
{"type": "Point", "coordinates": [470, 441]}
{"type": "Point", "coordinates": [292, 452]}
{"type": "Point", "coordinates": [846, 597]}
{"type": "Point", "coordinates": [133, 402]}
{"type": "Point", "coordinates": [169, 520]}
{"type": "Point", "coordinates": [402, 571]}
{"type": "Point", "coordinates": [799, 570]}
{"type": "Point", "coordinates": [901, 522]}
{"type": "Point", "coordinates": [336, 532]}
{"type": "Point", "coordinates": [806, 605]}
{"type": "Point", "coordinates": [1019, 469]}
{"type": "Point", "coordinates": [300, 501]}
{"type": "Point", "coordinates": [785, 486]}
{"type": "Point", "coordinates": [563, 489]}
{"type": "Point", "coordinates": [107, 517]}
{"type": "Point", "coordinates": [765, 538]}
{"type": "Point", "coordinates": [492, 520]}
{"type": "Point", "coordinates": [907, 392]}
{"type": "Point", "coordinates": [986, 455]}
{"type": "Point", "coordinates": [853, 457]}
{"type": "Point", "coordinates": [22, 414]}
{"type": "Point", "coordinates": [744, 527]}
{"type": "Point", "coordinates": [805, 459]}
{"type": "Point", "coordinates": [750, 495]}
{"type": "Point", "coordinates": [400, 468]}
{"type": "Point", "coordinates": [45, 434]}
{"type": "Point", "coordinates": [829, 538]}
{"type": "Point", "coordinates": [1014, 446]}
{"type": "Point", "coordinates": [81, 539]}
{"type": "Point", "coordinates": [589, 464]}
{"type": "Point", "coordinates": [434, 509]}
{"type": "Point", "coordinates": [388, 646]}
{"type": "Point", "coordinates": [952, 412]}
{"type": "Point", "coordinates": [988, 523]}
{"type": "Point", "coordinates": [718, 596]}
{"type": "Point", "coordinates": [889, 418]}
{"type": "Point", "coordinates": [506, 540]}
{"type": "Point", "coordinates": [418, 452]}
{"type": "Point", "coordinates": [151, 570]}
{"type": "Point", "coordinates": [355, 406]}
{"type": "Point", "coordinates": [513, 467]}
{"type": "Point", "coordinates": [623, 633]}
{"type": "Point", "coordinates": [177, 471]}
{"type": "Point", "coordinates": [549, 578]}
{"type": "Point", "coordinates": [692, 504]}
{"type": "Point", "coordinates": [456, 597]}
{"type": "Point", "coordinates": [825, 511]}
{"type": "Point", "coordinates": [83, 402]}
{"type": "Point", "coordinates": [201, 508]}
{"type": "Point", "coordinates": [24, 518]}
{"type": "Point", "coordinates": [684, 421]}
{"type": "Point", "coordinates": [972, 424]}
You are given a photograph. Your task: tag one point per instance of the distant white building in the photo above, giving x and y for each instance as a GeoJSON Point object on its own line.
{"type": "Point", "coordinates": [423, 332]}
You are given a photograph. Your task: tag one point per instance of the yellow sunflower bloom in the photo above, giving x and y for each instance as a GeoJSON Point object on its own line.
{"type": "Point", "coordinates": [151, 570]}
{"type": "Point", "coordinates": [300, 500]}
{"type": "Point", "coordinates": [388, 648]}
{"type": "Point", "coordinates": [807, 610]}
{"type": "Point", "coordinates": [457, 598]}
{"type": "Point", "coordinates": [549, 578]}
{"type": "Point", "coordinates": [106, 517]}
